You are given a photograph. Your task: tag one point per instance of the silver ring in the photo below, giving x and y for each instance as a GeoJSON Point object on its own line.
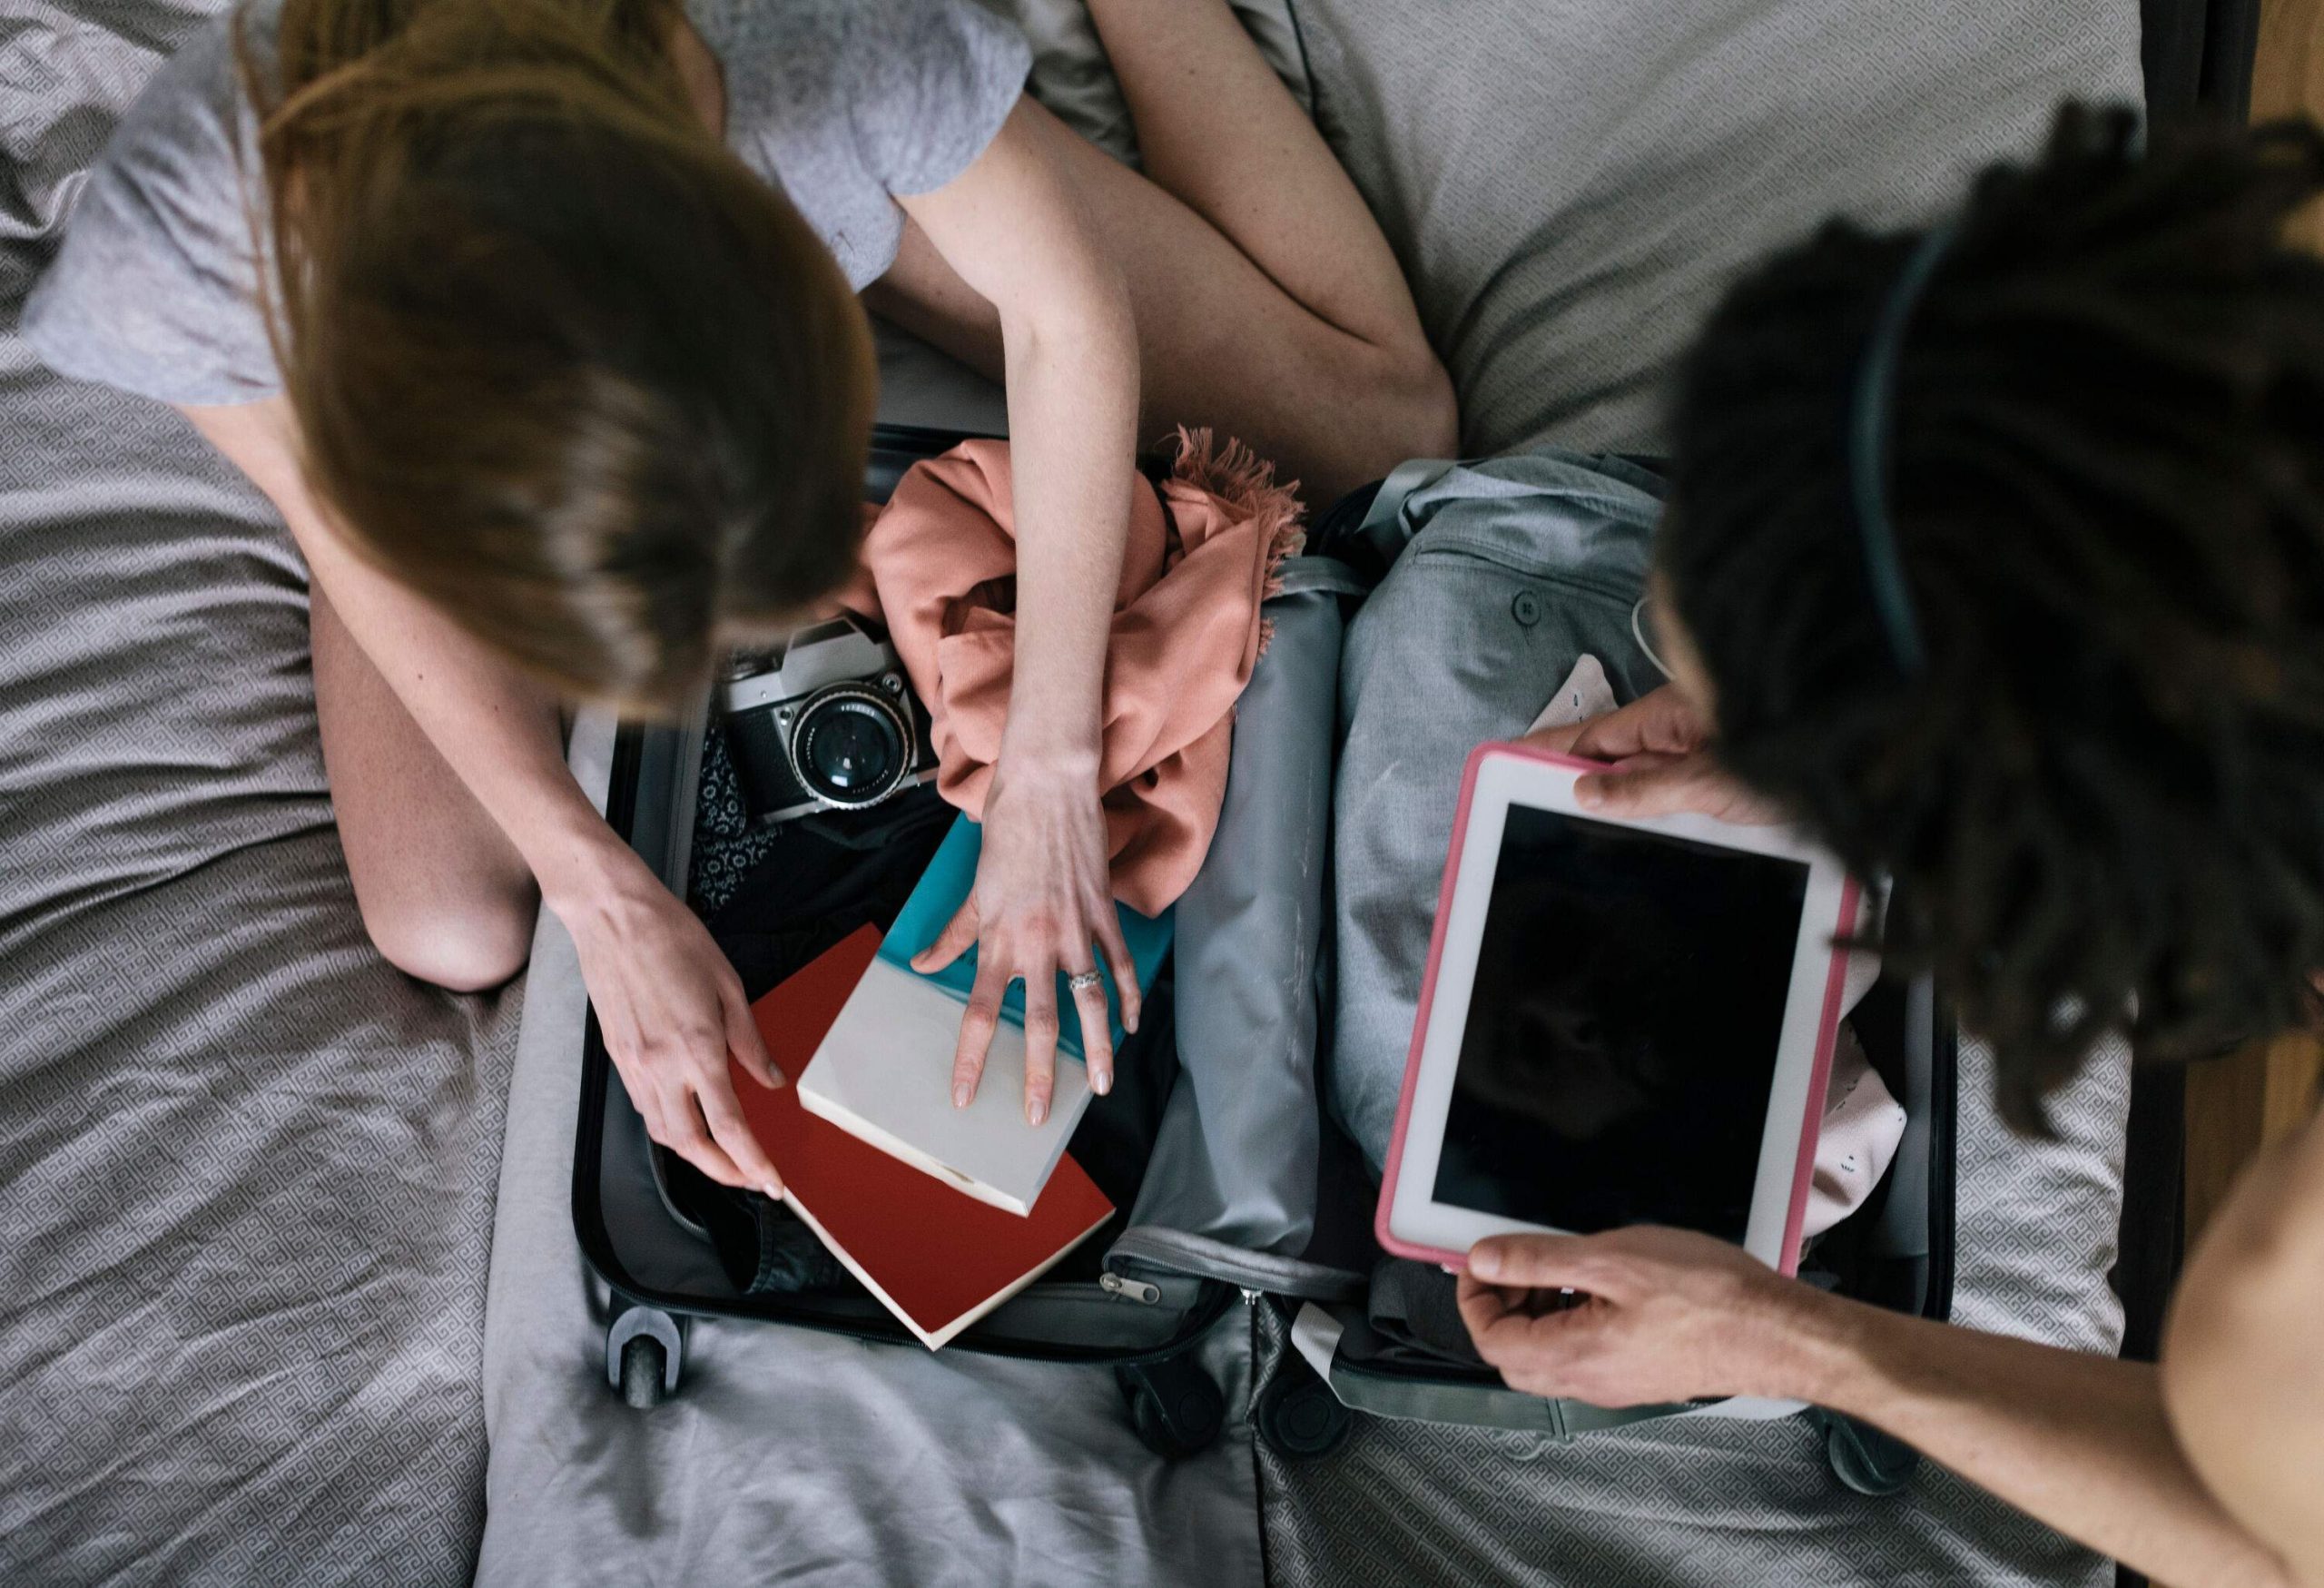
{"type": "Point", "coordinates": [1083, 981]}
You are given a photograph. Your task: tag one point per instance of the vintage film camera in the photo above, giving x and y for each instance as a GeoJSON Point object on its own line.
{"type": "Point", "coordinates": [826, 722]}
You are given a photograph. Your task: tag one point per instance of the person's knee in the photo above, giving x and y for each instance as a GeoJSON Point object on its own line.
{"type": "Point", "coordinates": [469, 946]}
{"type": "Point", "coordinates": [1430, 412]}
{"type": "Point", "coordinates": [1409, 413]}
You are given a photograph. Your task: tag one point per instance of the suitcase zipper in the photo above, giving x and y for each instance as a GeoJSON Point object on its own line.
{"type": "Point", "coordinates": [1138, 1290]}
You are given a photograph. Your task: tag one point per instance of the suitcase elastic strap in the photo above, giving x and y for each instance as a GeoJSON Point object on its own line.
{"type": "Point", "coordinates": [1382, 525]}
{"type": "Point", "coordinates": [1316, 1335]}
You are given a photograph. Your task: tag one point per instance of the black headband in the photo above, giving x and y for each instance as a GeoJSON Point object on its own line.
{"type": "Point", "coordinates": [1872, 421]}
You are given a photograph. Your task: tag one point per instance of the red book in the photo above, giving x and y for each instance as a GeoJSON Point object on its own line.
{"type": "Point", "coordinates": [937, 1257]}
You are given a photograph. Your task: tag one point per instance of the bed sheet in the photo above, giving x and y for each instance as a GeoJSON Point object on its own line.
{"type": "Point", "coordinates": [246, 1168]}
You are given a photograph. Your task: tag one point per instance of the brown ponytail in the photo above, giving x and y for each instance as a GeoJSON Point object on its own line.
{"type": "Point", "coordinates": [561, 363]}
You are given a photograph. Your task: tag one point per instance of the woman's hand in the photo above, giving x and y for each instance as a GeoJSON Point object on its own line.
{"type": "Point", "coordinates": [1043, 899]}
{"type": "Point", "coordinates": [1660, 747]}
{"type": "Point", "coordinates": [672, 1010]}
{"type": "Point", "coordinates": [1665, 1315]}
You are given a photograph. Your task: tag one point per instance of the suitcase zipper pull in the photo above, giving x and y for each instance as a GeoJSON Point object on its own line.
{"type": "Point", "coordinates": [1138, 1290]}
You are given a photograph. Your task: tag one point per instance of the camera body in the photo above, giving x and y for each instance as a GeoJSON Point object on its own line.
{"type": "Point", "coordinates": [826, 723]}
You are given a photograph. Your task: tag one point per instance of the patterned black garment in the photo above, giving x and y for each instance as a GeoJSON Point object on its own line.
{"type": "Point", "coordinates": [726, 846]}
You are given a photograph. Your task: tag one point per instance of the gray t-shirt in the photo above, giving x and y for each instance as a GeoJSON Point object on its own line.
{"type": "Point", "coordinates": [842, 105]}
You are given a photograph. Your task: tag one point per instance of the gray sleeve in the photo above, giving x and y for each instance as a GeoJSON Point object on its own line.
{"type": "Point", "coordinates": [930, 82]}
{"type": "Point", "coordinates": [155, 289]}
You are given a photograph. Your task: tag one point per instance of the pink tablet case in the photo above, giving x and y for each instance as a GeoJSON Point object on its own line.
{"type": "Point", "coordinates": [1834, 987]}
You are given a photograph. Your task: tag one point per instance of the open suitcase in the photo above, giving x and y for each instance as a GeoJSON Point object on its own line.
{"type": "Point", "coordinates": [1232, 1182]}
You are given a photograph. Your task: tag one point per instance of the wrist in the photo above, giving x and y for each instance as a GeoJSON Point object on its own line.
{"type": "Point", "coordinates": [1830, 1351]}
{"type": "Point", "coordinates": [1047, 756]}
{"type": "Point", "coordinates": [581, 863]}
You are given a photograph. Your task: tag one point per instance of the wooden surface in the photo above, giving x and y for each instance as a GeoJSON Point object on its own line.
{"type": "Point", "coordinates": [2287, 73]}
{"type": "Point", "coordinates": [2287, 77]}
{"type": "Point", "coordinates": [2236, 1105]}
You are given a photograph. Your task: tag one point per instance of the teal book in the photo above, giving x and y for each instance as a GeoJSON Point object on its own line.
{"type": "Point", "coordinates": [944, 887]}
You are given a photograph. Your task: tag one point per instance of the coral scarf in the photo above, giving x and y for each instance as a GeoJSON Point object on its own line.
{"type": "Point", "coordinates": [1203, 551]}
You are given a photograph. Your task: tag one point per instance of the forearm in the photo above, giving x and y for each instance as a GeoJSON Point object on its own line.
{"type": "Point", "coordinates": [1014, 228]}
{"type": "Point", "coordinates": [1073, 385]}
{"type": "Point", "coordinates": [2077, 1441]}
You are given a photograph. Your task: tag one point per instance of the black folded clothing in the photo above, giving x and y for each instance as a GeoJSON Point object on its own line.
{"type": "Point", "coordinates": [768, 1249]}
{"type": "Point", "coordinates": [1416, 1309]}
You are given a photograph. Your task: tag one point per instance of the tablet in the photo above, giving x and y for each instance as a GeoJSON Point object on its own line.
{"type": "Point", "coordinates": [1623, 1022]}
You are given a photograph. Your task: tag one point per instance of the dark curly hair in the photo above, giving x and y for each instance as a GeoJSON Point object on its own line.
{"type": "Point", "coordinates": [2105, 788]}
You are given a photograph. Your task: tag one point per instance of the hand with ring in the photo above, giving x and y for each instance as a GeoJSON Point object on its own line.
{"type": "Point", "coordinates": [1042, 903]}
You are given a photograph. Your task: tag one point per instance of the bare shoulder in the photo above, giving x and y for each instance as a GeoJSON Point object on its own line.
{"type": "Point", "coordinates": [2265, 1250]}
{"type": "Point", "coordinates": [2243, 1355]}
{"type": "Point", "coordinates": [260, 437]}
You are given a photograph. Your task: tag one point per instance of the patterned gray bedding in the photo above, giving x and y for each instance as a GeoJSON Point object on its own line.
{"type": "Point", "coordinates": [246, 1170]}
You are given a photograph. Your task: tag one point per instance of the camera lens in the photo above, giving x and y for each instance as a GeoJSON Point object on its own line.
{"type": "Point", "coordinates": [850, 747]}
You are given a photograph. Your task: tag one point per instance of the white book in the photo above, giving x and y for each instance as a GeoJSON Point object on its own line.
{"type": "Point", "coordinates": [884, 1072]}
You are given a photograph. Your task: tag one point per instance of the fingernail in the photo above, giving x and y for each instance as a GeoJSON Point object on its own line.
{"type": "Point", "coordinates": [960, 1095]}
{"type": "Point", "coordinates": [773, 1192]}
{"type": "Point", "coordinates": [1587, 793]}
{"type": "Point", "coordinates": [1039, 1111]}
{"type": "Point", "coordinates": [1484, 1262]}
{"type": "Point", "coordinates": [1101, 1084]}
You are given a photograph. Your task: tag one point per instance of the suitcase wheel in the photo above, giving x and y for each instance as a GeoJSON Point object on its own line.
{"type": "Point", "coordinates": [642, 1361]}
{"type": "Point", "coordinates": [1867, 1460]}
{"type": "Point", "coordinates": [1174, 1406]}
{"type": "Point", "coordinates": [1299, 1416]}
{"type": "Point", "coordinates": [644, 1354]}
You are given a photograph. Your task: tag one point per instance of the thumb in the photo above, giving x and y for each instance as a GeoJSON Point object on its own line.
{"type": "Point", "coordinates": [1534, 1262]}
{"type": "Point", "coordinates": [1558, 741]}
{"type": "Point", "coordinates": [959, 935]}
{"type": "Point", "coordinates": [1688, 783]}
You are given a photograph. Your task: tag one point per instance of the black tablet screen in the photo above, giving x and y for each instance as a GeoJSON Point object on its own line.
{"type": "Point", "coordinates": [1622, 1034]}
